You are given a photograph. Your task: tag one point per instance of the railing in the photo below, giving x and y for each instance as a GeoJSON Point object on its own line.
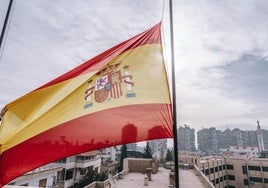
{"type": "Point", "coordinates": [87, 160]}
{"type": "Point", "coordinates": [203, 178]}
{"type": "Point", "coordinates": [49, 166]}
{"type": "Point", "coordinates": [103, 184]}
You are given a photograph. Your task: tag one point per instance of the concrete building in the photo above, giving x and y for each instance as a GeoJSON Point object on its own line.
{"type": "Point", "coordinates": [186, 138]}
{"type": "Point", "coordinates": [236, 151]}
{"type": "Point", "coordinates": [231, 172]}
{"type": "Point", "coordinates": [239, 137]}
{"type": "Point", "coordinates": [158, 147]}
{"type": "Point", "coordinates": [250, 138]}
{"type": "Point", "coordinates": [227, 138]}
{"type": "Point", "coordinates": [62, 173]}
{"type": "Point", "coordinates": [265, 139]}
{"type": "Point", "coordinates": [110, 153]}
{"type": "Point", "coordinates": [132, 147]}
{"type": "Point", "coordinates": [208, 140]}
{"type": "Point", "coordinates": [50, 175]}
{"type": "Point", "coordinates": [248, 172]}
{"type": "Point", "coordinates": [211, 140]}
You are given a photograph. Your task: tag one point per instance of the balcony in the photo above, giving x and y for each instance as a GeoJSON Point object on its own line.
{"type": "Point", "coordinates": [96, 161]}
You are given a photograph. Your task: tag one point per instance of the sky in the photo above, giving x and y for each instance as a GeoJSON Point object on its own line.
{"type": "Point", "coordinates": [220, 49]}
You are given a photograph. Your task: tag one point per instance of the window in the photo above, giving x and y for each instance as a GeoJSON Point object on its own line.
{"type": "Point", "coordinates": [255, 179]}
{"type": "Point", "coordinates": [231, 177]}
{"type": "Point", "coordinates": [211, 170]}
{"type": "Point", "coordinates": [265, 169]}
{"type": "Point", "coordinates": [244, 170]}
{"type": "Point", "coordinates": [69, 174]}
{"type": "Point", "coordinates": [206, 172]}
{"type": "Point", "coordinates": [60, 175]}
{"type": "Point", "coordinates": [61, 161]}
{"type": "Point", "coordinates": [245, 181]}
{"type": "Point", "coordinates": [216, 169]}
{"type": "Point", "coordinates": [220, 168]}
{"type": "Point", "coordinates": [212, 182]}
{"type": "Point", "coordinates": [221, 179]}
{"type": "Point", "coordinates": [254, 168]}
{"type": "Point", "coordinates": [230, 167]}
{"type": "Point", "coordinates": [265, 180]}
{"type": "Point", "coordinates": [42, 183]}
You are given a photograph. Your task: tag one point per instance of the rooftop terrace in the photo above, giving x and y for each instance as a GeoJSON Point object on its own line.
{"type": "Point", "coordinates": [187, 179]}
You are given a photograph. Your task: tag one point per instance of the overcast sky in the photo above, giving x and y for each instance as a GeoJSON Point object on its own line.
{"type": "Point", "coordinates": [221, 51]}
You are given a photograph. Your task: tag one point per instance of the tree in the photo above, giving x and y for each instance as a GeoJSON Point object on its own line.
{"type": "Point", "coordinates": [169, 156]}
{"type": "Point", "coordinates": [123, 156]}
{"type": "Point", "coordinates": [147, 151]}
{"type": "Point", "coordinates": [91, 176]}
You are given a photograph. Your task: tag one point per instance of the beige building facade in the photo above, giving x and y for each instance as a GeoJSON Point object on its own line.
{"type": "Point", "coordinates": [231, 172]}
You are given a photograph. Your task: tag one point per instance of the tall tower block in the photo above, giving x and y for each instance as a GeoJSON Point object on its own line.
{"type": "Point", "coordinates": [260, 137]}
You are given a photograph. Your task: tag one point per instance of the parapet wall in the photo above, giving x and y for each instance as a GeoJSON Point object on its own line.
{"type": "Point", "coordinates": [140, 165]}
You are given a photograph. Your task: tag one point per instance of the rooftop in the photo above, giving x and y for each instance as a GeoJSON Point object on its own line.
{"type": "Point", "coordinates": [187, 179]}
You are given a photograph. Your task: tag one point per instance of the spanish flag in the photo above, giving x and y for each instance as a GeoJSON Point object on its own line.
{"type": "Point", "coordinates": [120, 96]}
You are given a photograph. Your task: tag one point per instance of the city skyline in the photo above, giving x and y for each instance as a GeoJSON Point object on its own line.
{"type": "Point", "coordinates": [221, 61]}
{"type": "Point", "coordinates": [211, 140]}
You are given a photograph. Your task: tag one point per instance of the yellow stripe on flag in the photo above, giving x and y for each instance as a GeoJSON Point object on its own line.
{"type": "Point", "coordinates": [57, 105]}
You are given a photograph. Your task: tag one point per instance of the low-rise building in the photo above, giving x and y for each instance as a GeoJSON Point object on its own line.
{"type": "Point", "coordinates": [62, 173]}
{"type": "Point", "coordinates": [235, 151]}
{"type": "Point", "coordinates": [231, 172]}
{"type": "Point", "coordinates": [49, 175]}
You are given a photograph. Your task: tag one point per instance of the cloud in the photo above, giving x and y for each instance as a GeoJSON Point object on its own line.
{"type": "Point", "coordinates": [220, 50]}
{"type": "Point", "coordinates": [47, 39]}
{"type": "Point", "coordinates": [213, 41]}
{"type": "Point", "coordinates": [208, 38]}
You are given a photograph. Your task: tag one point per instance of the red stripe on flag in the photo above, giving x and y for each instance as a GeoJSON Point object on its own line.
{"type": "Point", "coordinates": [94, 131]}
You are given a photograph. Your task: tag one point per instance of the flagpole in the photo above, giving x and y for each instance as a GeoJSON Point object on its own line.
{"type": "Point", "coordinates": [176, 157]}
{"type": "Point", "coordinates": [5, 24]}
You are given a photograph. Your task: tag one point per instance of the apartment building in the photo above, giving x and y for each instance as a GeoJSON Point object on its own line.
{"type": "Point", "coordinates": [229, 172]}
{"type": "Point", "coordinates": [211, 140]}
{"type": "Point", "coordinates": [235, 151]}
{"type": "Point", "coordinates": [236, 172]}
{"type": "Point", "coordinates": [248, 172]}
{"type": "Point", "coordinates": [215, 169]}
{"type": "Point", "coordinates": [46, 176]}
{"type": "Point", "coordinates": [208, 140]}
{"type": "Point", "coordinates": [132, 147]}
{"type": "Point", "coordinates": [158, 147]}
{"type": "Point", "coordinates": [62, 173]}
{"type": "Point", "coordinates": [186, 138]}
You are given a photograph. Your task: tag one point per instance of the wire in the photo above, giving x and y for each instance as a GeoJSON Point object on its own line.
{"type": "Point", "coordinates": [163, 9]}
{"type": "Point", "coordinates": [168, 66]}
{"type": "Point", "coordinates": [8, 26]}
